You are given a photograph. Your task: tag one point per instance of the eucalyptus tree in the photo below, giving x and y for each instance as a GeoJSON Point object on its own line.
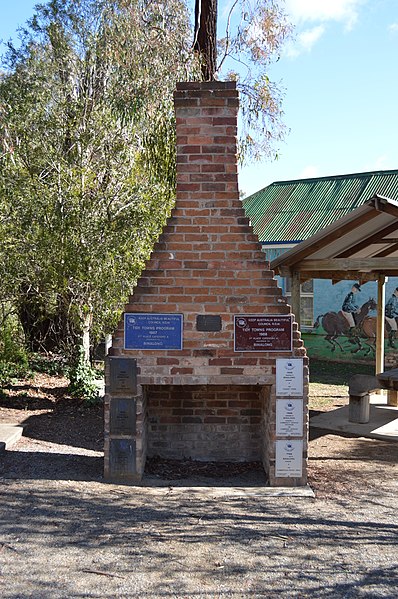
{"type": "Point", "coordinates": [87, 169]}
{"type": "Point", "coordinates": [87, 157]}
{"type": "Point", "coordinates": [205, 36]}
{"type": "Point", "coordinates": [254, 35]}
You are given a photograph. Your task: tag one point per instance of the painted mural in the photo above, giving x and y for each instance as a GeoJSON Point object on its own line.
{"type": "Point", "coordinates": [338, 321]}
{"type": "Point", "coordinates": [344, 326]}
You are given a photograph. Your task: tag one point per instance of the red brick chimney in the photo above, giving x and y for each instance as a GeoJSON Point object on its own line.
{"type": "Point", "coordinates": [207, 323]}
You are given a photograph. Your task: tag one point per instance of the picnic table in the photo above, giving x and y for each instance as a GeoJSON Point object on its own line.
{"type": "Point", "coordinates": [361, 385]}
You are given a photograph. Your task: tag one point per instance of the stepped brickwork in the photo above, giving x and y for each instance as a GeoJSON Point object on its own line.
{"type": "Point", "coordinates": [211, 398]}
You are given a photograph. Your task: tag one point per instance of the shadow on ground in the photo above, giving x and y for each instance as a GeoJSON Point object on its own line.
{"type": "Point", "coordinates": [77, 542]}
{"type": "Point", "coordinates": [68, 422]}
{"type": "Point", "coordinates": [31, 465]}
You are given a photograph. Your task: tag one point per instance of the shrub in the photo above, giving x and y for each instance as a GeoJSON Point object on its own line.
{"type": "Point", "coordinates": [52, 364]}
{"type": "Point", "coordinates": [82, 379]}
{"type": "Point", "coordinates": [13, 356]}
{"type": "Point", "coordinates": [9, 372]}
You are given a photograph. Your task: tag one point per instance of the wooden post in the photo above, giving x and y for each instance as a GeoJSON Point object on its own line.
{"type": "Point", "coordinates": [381, 303]}
{"type": "Point", "coordinates": [296, 300]}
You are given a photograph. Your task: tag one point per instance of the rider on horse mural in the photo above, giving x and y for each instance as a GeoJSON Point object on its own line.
{"type": "Point", "coordinates": [391, 313]}
{"type": "Point", "coordinates": [350, 308]}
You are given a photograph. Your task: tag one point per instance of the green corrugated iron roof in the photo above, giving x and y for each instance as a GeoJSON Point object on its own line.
{"type": "Point", "coordinates": [287, 211]}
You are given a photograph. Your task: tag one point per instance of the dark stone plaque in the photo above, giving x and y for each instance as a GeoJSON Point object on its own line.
{"type": "Point", "coordinates": [122, 416]}
{"type": "Point", "coordinates": [208, 322]}
{"type": "Point", "coordinates": [123, 375]}
{"type": "Point", "coordinates": [259, 332]}
{"type": "Point", "coordinates": [122, 459]}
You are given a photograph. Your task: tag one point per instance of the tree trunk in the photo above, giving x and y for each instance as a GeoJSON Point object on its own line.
{"type": "Point", "coordinates": [86, 328]}
{"type": "Point", "coordinates": [205, 42]}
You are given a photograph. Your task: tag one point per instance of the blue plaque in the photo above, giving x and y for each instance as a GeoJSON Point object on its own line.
{"type": "Point", "coordinates": [152, 331]}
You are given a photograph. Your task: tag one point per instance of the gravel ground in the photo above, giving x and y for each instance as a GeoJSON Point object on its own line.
{"type": "Point", "coordinates": [80, 539]}
{"type": "Point", "coordinates": [66, 534]}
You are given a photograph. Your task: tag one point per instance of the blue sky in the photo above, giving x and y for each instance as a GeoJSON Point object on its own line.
{"type": "Point", "coordinates": [341, 81]}
{"type": "Point", "coordinates": [340, 76]}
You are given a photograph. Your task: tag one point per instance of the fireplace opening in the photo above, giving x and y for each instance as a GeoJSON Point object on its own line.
{"type": "Point", "coordinates": [203, 473]}
{"type": "Point", "coordinates": [205, 422]}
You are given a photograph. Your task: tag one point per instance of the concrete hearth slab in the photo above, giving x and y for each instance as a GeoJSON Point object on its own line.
{"type": "Point", "coordinates": [230, 493]}
{"type": "Point", "coordinates": [383, 422]}
{"type": "Point", "coordinates": [9, 434]}
{"type": "Point", "coordinates": [248, 492]}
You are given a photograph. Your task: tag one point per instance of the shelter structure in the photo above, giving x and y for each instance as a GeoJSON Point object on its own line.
{"type": "Point", "coordinates": [361, 245]}
{"type": "Point", "coordinates": [287, 212]}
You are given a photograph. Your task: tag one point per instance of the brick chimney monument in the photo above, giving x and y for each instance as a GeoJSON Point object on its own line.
{"type": "Point", "coordinates": [207, 362]}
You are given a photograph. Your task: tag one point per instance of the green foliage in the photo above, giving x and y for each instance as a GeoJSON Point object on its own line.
{"type": "Point", "coordinates": [11, 342]}
{"type": "Point", "coordinates": [82, 379]}
{"type": "Point", "coordinates": [11, 371]}
{"type": "Point", "coordinates": [52, 364]}
{"type": "Point", "coordinates": [13, 357]}
{"type": "Point", "coordinates": [87, 170]}
{"type": "Point", "coordinates": [255, 34]}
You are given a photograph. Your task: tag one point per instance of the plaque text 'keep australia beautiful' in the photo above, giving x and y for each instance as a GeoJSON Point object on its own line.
{"type": "Point", "coordinates": [153, 331]}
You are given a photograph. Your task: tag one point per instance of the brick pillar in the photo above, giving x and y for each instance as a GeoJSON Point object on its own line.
{"type": "Point", "coordinates": [206, 116]}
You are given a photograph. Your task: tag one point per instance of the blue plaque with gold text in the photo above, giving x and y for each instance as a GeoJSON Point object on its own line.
{"type": "Point", "coordinates": [153, 331]}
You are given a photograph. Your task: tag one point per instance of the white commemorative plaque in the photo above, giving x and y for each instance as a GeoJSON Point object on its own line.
{"type": "Point", "coordinates": [289, 458]}
{"type": "Point", "coordinates": [289, 377]}
{"type": "Point", "coordinates": [289, 417]}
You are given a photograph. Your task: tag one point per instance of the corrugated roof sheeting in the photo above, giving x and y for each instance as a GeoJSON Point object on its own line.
{"type": "Point", "coordinates": [294, 210]}
{"type": "Point", "coordinates": [356, 243]}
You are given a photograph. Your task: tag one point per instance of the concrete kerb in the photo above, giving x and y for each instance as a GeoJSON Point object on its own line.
{"type": "Point", "coordinates": [9, 434]}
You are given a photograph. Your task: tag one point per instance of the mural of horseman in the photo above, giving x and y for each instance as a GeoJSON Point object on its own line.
{"type": "Point", "coordinates": [348, 321]}
{"type": "Point", "coordinates": [369, 325]}
{"type": "Point", "coordinates": [391, 314]}
{"type": "Point", "coordinates": [350, 309]}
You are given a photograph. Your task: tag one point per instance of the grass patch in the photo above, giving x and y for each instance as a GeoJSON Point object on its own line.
{"type": "Point", "coordinates": [336, 373]}
{"type": "Point", "coordinates": [329, 383]}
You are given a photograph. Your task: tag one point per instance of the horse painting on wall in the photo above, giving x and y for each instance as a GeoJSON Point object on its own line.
{"type": "Point", "coordinates": [336, 325]}
{"type": "Point", "coordinates": [342, 321]}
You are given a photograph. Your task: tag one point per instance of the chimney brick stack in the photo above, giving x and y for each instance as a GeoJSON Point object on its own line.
{"type": "Point", "coordinates": [207, 400]}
